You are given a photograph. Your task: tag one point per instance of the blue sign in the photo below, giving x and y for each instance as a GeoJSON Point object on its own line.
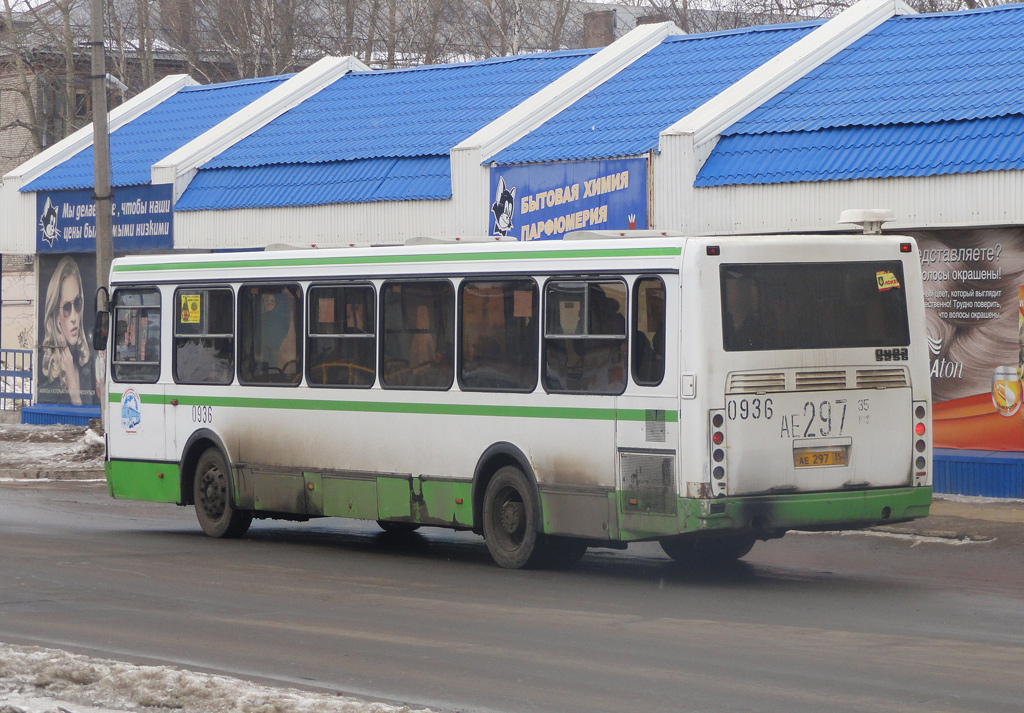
{"type": "Point", "coordinates": [142, 220]}
{"type": "Point", "coordinates": [546, 201]}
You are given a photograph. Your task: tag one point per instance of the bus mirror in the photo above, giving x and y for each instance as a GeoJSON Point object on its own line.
{"type": "Point", "coordinates": [101, 330]}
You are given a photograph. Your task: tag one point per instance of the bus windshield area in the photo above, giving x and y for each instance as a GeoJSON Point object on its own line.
{"type": "Point", "coordinates": [775, 306]}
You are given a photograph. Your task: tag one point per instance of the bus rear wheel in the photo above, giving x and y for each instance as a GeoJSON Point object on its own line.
{"type": "Point", "coordinates": [510, 520]}
{"type": "Point", "coordinates": [211, 491]}
{"type": "Point", "coordinates": [704, 552]}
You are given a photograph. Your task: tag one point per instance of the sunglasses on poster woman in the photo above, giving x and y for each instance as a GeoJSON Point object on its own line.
{"type": "Point", "coordinates": [69, 305]}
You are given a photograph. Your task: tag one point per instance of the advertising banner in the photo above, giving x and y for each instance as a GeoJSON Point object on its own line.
{"type": "Point", "coordinates": [67, 370]}
{"type": "Point", "coordinates": [546, 201]}
{"type": "Point", "coordinates": [142, 220]}
{"type": "Point", "coordinates": [974, 302]}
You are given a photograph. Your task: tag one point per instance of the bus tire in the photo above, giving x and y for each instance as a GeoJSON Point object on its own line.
{"type": "Point", "coordinates": [704, 552]}
{"type": "Point", "coordinates": [211, 490]}
{"type": "Point", "coordinates": [510, 520]}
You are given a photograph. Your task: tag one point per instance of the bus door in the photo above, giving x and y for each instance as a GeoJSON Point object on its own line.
{"type": "Point", "coordinates": [203, 356]}
{"type": "Point", "coordinates": [137, 415]}
{"type": "Point", "coordinates": [647, 418]}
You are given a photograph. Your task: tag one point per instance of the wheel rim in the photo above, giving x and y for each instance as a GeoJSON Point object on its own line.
{"type": "Point", "coordinates": [213, 492]}
{"type": "Point", "coordinates": [510, 516]}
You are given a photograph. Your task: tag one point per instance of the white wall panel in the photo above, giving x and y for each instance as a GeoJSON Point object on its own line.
{"type": "Point", "coordinates": [970, 199]}
{"type": "Point", "coordinates": [17, 219]}
{"type": "Point", "coordinates": [358, 223]}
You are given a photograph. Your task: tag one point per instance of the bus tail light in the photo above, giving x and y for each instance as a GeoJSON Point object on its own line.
{"type": "Point", "coordinates": [922, 446]}
{"type": "Point", "coordinates": [717, 449]}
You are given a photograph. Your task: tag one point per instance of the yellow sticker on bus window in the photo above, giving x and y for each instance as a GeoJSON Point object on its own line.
{"type": "Point", "coordinates": [190, 309]}
{"type": "Point", "coordinates": [886, 280]}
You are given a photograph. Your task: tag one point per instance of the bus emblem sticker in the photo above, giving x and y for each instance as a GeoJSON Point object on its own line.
{"type": "Point", "coordinates": [131, 411]}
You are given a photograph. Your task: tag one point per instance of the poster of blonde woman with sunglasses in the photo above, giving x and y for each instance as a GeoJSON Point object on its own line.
{"type": "Point", "coordinates": [66, 374]}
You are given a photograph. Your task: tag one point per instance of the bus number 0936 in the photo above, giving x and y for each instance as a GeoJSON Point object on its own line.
{"type": "Point", "coordinates": [750, 409]}
{"type": "Point", "coordinates": [202, 414]}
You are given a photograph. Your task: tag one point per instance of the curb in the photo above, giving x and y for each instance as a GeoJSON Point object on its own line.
{"type": "Point", "coordinates": [52, 474]}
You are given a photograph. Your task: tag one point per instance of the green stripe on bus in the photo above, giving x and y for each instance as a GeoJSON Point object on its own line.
{"type": "Point", "coordinates": [561, 412]}
{"type": "Point", "coordinates": [399, 259]}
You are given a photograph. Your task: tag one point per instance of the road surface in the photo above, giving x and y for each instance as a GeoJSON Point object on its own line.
{"type": "Point", "coordinates": [807, 623]}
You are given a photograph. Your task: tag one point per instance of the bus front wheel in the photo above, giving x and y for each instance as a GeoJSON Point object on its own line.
{"type": "Point", "coordinates": [510, 519]}
{"type": "Point", "coordinates": [212, 495]}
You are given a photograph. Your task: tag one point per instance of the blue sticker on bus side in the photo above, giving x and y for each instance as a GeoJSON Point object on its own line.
{"type": "Point", "coordinates": [131, 410]}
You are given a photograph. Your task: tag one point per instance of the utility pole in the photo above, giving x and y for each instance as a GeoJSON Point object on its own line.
{"type": "Point", "coordinates": [101, 172]}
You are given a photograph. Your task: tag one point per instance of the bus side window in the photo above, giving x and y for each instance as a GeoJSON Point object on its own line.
{"type": "Point", "coordinates": [342, 348]}
{"type": "Point", "coordinates": [136, 355]}
{"type": "Point", "coordinates": [418, 334]}
{"type": "Point", "coordinates": [204, 335]}
{"type": "Point", "coordinates": [585, 336]}
{"type": "Point", "coordinates": [498, 340]}
{"type": "Point", "coordinates": [269, 323]}
{"type": "Point", "coordinates": [649, 331]}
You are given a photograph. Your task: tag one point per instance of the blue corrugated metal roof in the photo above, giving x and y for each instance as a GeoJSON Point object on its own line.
{"type": "Point", "coordinates": [920, 95]}
{"type": "Point", "coordinates": [375, 179]}
{"type": "Point", "coordinates": [910, 69]}
{"type": "Point", "coordinates": [168, 126]}
{"type": "Point", "coordinates": [623, 116]}
{"type": "Point", "coordinates": [423, 111]}
{"type": "Point", "coordinates": [867, 152]}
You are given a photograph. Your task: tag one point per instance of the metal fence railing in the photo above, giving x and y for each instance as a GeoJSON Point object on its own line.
{"type": "Point", "coordinates": [15, 377]}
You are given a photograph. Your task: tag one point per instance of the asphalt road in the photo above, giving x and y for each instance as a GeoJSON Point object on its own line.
{"type": "Point", "coordinates": [808, 623]}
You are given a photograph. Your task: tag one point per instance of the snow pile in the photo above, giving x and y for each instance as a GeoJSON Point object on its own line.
{"type": "Point", "coordinates": [30, 447]}
{"type": "Point", "coordinates": [36, 680]}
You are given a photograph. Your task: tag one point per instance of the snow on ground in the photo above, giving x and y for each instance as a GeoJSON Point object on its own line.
{"type": "Point", "coordinates": [38, 680]}
{"type": "Point", "coordinates": [30, 447]}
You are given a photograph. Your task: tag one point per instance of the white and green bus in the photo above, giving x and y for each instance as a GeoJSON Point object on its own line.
{"type": "Point", "coordinates": [552, 396]}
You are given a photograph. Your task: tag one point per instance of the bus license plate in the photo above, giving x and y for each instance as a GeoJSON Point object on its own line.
{"type": "Point", "coordinates": [808, 458]}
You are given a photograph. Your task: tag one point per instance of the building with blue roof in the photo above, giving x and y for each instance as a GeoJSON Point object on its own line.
{"type": "Point", "coordinates": [924, 114]}
{"type": "Point", "coordinates": [137, 145]}
{"type": "Point", "coordinates": [388, 139]}
{"type": "Point", "coordinates": [923, 95]}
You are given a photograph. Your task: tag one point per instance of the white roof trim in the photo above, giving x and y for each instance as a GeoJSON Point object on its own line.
{"type": "Point", "coordinates": [180, 166]}
{"type": "Point", "coordinates": [729, 106]}
{"type": "Point", "coordinates": [81, 139]}
{"type": "Point", "coordinates": [567, 89]}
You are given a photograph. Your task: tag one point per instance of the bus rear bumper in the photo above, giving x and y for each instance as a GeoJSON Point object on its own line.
{"type": "Point", "coordinates": [772, 515]}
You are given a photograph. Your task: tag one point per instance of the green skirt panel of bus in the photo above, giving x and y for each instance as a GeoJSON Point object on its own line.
{"type": "Point", "coordinates": [141, 480]}
{"type": "Point", "coordinates": [361, 495]}
{"type": "Point", "coordinates": [596, 514]}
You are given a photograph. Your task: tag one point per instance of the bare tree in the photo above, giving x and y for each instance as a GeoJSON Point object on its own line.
{"type": "Point", "coordinates": [15, 50]}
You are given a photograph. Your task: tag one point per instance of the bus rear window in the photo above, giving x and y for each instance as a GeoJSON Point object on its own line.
{"type": "Point", "coordinates": [769, 306]}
